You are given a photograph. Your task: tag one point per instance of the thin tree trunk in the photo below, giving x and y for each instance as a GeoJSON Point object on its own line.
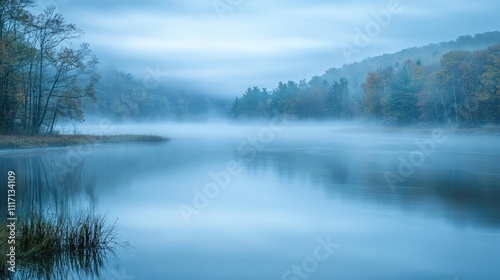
{"type": "Point", "coordinates": [53, 121]}
{"type": "Point", "coordinates": [456, 106]}
{"type": "Point", "coordinates": [444, 106]}
{"type": "Point", "coordinates": [466, 97]}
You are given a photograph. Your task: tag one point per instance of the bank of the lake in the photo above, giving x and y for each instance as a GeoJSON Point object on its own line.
{"type": "Point", "coordinates": [460, 131]}
{"type": "Point", "coordinates": [48, 141]}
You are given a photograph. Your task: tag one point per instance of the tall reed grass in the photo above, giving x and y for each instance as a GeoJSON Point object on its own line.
{"type": "Point", "coordinates": [80, 242]}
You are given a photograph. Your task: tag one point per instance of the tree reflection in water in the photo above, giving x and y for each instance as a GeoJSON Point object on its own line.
{"type": "Point", "coordinates": [41, 190]}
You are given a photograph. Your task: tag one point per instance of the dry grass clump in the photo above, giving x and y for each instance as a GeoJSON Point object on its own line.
{"type": "Point", "coordinates": [45, 236]}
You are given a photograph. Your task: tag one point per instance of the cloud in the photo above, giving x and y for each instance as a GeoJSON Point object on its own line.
{"type": "Point", "coordinates": [259, 42]}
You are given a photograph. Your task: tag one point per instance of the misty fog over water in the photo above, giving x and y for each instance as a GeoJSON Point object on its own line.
{"type": "Point", "coordinates": [297, 186]}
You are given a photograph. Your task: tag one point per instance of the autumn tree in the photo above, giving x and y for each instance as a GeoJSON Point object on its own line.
{"type": "Point", "coordinates": [458, 80]}
{"type": "Point", "coordinates": [489, 89]}
{"type": "Point", "coordinates": [376, 87]}
{"type": "Point", "coordinates": [63, 76]}
{"type": "Point", "coordinates": [13, 57]}
{"type": "Point", "coordinates": [42, 76]}
{"type": "Point", "coordinates": [431, 102]}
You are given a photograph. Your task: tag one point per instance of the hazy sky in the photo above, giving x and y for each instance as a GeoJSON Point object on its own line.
{"type": "Point", "coordinates": [229, 45]}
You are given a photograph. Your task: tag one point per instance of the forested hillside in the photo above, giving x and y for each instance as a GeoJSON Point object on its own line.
{"type": "Point", "coordinates": [123, 97]}
{"type": "Point", "coordinates": [428, 55]}
{"type": "Point", "coordinates": [461, 89]}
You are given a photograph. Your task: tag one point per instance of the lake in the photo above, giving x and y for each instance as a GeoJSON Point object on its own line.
{"type": "Point", "coordinates": [275, 201]}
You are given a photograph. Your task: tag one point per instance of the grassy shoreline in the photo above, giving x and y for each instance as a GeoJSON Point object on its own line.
{"type": "Point", "coordinates": [49, 141]}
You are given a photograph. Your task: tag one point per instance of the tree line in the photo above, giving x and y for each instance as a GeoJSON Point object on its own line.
{"type": "Point", "coordinates": [43, 76]}
{"type": "Point", "coordinates": [316, 99]}
{"type": "Point", "coordinates": [123, 97]}
{"type": "Point", "coordinates": [462, 90]}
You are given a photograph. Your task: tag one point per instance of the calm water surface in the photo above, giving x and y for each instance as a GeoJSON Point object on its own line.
{"type": "Point", "coordinates": [302, 188]}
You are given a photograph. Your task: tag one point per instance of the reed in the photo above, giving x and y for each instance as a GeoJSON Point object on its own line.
{"type": "Point", "coordinates": [43, 236]}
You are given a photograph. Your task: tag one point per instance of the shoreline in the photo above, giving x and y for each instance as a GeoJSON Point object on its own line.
{"type": "Point", "coordinates": [494, 131]}
{"type": "Point", "coordinates": [21, 142]}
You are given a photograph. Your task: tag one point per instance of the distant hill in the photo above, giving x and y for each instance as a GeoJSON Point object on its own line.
{"type": "Point", "coordinates": [421, 90]}
{"type": "Point", "coordinates": [356, 72]}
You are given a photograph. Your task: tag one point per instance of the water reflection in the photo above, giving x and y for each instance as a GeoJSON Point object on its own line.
{"type": "Point", "coordinates": [40, 186]}
{"type": "Point", "coordinates": [92, 264]}
{"type": "Point", "coordinates": [463, 178]}
{"type": "Point", "coordinates": [292, 191]}
{"type": "Point", "coordinates": [461, 181]}
{"type": "Point", "coordinates": [40, 190]}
